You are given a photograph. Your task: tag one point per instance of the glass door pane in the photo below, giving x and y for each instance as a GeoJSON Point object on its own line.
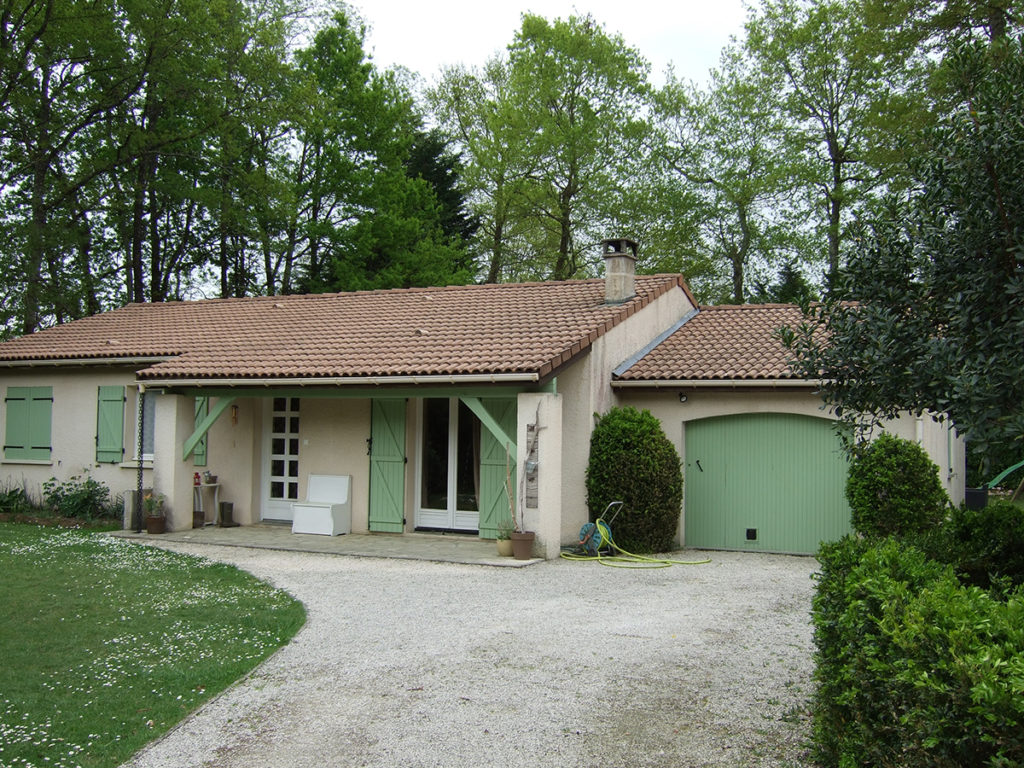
{"type": "Point", "coordinates": [434, 483]}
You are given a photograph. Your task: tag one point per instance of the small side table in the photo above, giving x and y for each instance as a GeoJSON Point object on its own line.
{"type": "Point", "coordinates": [198, 494]}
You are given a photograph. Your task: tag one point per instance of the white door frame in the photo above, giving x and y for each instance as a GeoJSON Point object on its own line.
{"type": "Point", "coordinates": [273, 508]}
{"type": "Point", "coordinates": [451, 518]}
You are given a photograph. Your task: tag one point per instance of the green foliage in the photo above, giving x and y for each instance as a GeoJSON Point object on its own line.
{"type": "Point", "coordinates": [552, 136]}
{"type": "Point", "coordinates": [81, 498]}
{"type": "Point", "coordinates": [723, 152]}
{"type": "Point", "coordinates": [845, 110]}
{"type": "Point", "coordinates": [790, 287]}
{"type": "Point", "coordinates": [631, 460]}
{"type": "Point", "coordinates": [14, 500]}
{"type": "Point", "coordinates": [894, 488]}
{"type": "Point", "coordinates": [940, 280]}
{"type": "Point", "coordinates": [914, 669]}
{"type": "Point", "coordinates": [985, 546]}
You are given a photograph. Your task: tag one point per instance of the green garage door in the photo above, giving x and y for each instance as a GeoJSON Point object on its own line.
{"type": "Point", "coordinates": [767, 482]}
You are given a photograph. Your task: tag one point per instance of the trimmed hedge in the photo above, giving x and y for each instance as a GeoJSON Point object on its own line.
{"type": "Point", "coordinates": [914, 669]}
{"type": "Point", "coordinates": [894, 489]}
{"type": "Point", "coordinates": [985, 546]}
{"type": "Point", "coordinates": [632, 461]}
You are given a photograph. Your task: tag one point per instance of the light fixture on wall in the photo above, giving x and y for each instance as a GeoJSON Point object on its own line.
{"type": "Point", "coordinates": [234, 414]}
{"type": "Point", "coordinates": [682, 398]}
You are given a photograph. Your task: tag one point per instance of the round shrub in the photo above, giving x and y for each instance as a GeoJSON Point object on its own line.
{"type": "Point", "coordinates": [632, 461]}
{"type": "Point", "coordinates": [894, 488]}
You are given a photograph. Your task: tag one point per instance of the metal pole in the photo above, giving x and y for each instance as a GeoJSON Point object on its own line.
{"type": "Point", "coordinates": [141, 430]}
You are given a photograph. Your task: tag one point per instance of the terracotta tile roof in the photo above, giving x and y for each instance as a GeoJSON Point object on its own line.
{"type": "Point", "coordinates": [480, 329]}
{"type": "Point", "coordinates": [731, 342]}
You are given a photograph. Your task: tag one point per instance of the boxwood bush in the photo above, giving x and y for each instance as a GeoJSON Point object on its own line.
{"type": "Point", "coordinates": [914, 668]}
{"type": "Point", "coordinates": [985, 546]}
{"type": "Point", "coordinates": [894, 488]}
{"type": "Point", "coordinates": [632, 461]}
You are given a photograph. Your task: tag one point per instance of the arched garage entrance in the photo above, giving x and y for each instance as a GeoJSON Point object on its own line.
{"type": "Point", "coordinates": [768, 482]}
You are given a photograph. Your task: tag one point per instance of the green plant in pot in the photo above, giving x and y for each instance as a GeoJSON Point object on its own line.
{"type": "Point", "coordinates": [522, 540]}
{"type": "Point", "coordinates": [153, 506]}
{"type": "Point", "coordinates": [504, 538]}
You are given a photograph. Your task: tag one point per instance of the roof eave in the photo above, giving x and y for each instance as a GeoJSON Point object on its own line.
{"type": "Point", "coordinates": [55, 362]}
{"type": "Point", "coordinates": [341, 381]}
{"type": "Point", "coordinates": [719, 383]}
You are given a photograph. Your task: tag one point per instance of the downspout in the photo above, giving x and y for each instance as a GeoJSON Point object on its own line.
{"type": "Point", "coordinates": [137, 511]}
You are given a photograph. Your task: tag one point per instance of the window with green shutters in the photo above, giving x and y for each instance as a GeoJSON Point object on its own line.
{"type": "Point", "coordinates": [28, 419]}
{"type": "Point", "coordinates": [110, 425]}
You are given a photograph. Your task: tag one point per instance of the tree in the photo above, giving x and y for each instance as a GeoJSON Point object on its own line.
{"type": "Point", "coordinates": [846, 110]}
{"type": "Point", "coordinates": [364, 216]}
{"type": "Point", "coordinates": [940, 284]}
{"type": "Point", "coordinates": [724, 145]}
{"type": "Point", "coordinates": [68, 73]}
{"type": "Point", "coordinates": [476, 108]}
{"type": "Point", "coordinates": [553, 141]}
{"type": "Point", "coordinates": [432, 159]}
{"type": "Point", "coordinates": [790, 287]}
{"type": "Point", "coordinates": [583, 94]}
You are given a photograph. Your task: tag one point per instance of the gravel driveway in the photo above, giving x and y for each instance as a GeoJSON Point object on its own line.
{"type": "Point", "coordinates": [559, 664]}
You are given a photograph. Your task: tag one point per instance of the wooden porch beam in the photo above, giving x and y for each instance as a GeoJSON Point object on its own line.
{"type": "Point", "coordinates": [204, 426]}
{"type": "Point", "coordinates": [504, 439]}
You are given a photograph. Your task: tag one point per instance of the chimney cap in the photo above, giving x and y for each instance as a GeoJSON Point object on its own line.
{"type": "Point", "coordinates": [619, 246]}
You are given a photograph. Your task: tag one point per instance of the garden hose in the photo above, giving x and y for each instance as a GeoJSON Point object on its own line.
{"type": "Point", "coordinates": [597, 536]}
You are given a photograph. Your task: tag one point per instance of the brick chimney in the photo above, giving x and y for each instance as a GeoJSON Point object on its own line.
{"type": "Point", "coordinates": [619, 270]}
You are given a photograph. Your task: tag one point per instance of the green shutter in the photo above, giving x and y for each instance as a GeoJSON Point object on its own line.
{"type": "Point", "coordinates": [495, 468]}
{"type": "Point", "coordinates": [199, 452]}
{"type": "Point", "coordinates": [27, 431]}
{"type": "Point", "coordinates": [110, 425]}
{"type": "Point", "coordinates": [387, 466]}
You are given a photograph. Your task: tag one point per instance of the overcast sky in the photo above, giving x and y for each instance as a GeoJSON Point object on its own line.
{"type": "Point", "coordinates": [426, 35]}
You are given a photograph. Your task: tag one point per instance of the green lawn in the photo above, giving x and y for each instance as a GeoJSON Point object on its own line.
{"type": "Point", "coordinates": [105, 644]}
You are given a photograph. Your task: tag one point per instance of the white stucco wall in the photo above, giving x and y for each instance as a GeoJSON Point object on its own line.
{"type": "Point", "coordinates": [73, 428]}
{"type": "Point", "coordinates": [333, 437]}
{"type": "Point", "coordinates": [233, 455]}
{"type": "Point", "coordinates": [585, 388]}
{"type": "Point", "coordinates": [545, 410]}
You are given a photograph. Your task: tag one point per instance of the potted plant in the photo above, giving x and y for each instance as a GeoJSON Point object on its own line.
{"type": "Point", "coordinates": [153, 506]}
{"type": "Point", "coordinates": [504, 539]}
{"type": "Point", "coordinates": [522, 540]}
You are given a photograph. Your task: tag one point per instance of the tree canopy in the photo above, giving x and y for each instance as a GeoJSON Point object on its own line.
{"type": "Point", "coordinates": [930, 313]}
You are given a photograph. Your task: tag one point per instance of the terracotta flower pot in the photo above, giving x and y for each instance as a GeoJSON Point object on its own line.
{"type": "Point", "coordinates": [522, 544]}
{"type": "Point", "coordinates": [156, 524]}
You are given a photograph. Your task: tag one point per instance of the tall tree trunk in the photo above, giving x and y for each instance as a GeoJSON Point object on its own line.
{"type": "Point", "coordinates": [36, 245]}
{"type": "Point", "coordinates": [83, 251]}
{"type": "Point", "coordinates": [497, 252]}
{"type": "Point", "coordinates": [157, 272]}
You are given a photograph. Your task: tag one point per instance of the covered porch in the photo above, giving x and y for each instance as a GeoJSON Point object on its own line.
{"type": "Point", "coordinates": [437, 457]}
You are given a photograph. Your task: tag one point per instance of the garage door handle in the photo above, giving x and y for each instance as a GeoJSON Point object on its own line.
{"type": "Point", "coordinates": [698, 465]}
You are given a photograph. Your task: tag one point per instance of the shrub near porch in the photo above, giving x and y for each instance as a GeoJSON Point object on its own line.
{"type": "Point", "coordinates": [107, 644]}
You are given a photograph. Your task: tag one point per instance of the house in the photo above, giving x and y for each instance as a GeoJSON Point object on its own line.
{"type": "Point", "coordinates": [437, 402]}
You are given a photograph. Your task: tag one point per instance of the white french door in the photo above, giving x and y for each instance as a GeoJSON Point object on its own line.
{"type": "Point", "coordinates": [281, 457]}
{"type": "Point", "coordinates": [448, 466]}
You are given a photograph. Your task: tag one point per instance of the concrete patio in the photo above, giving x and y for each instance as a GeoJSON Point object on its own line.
{"type": "Point", "coordinates": [442, 548]}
